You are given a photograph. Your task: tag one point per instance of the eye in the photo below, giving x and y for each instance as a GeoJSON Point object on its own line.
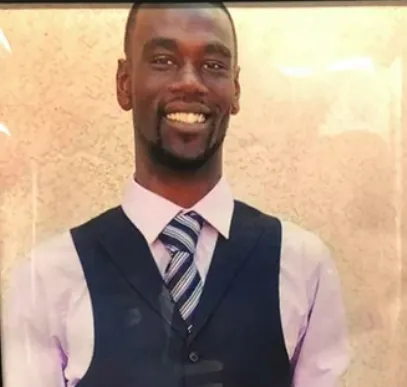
{"type": "Point", "coordinates": [214, 66]}
{"type": "Point", "coordinates": [162, 62]}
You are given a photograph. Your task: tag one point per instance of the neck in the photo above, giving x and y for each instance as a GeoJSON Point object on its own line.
{"type": "Point", "coordinates": [183, 189]}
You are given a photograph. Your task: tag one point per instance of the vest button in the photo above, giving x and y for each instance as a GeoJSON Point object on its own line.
{"type": "Point", "coordinates": [193, 356]}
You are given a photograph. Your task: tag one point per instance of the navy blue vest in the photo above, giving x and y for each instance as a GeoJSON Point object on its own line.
{"type": "Point", "coordinates": [140, 337]}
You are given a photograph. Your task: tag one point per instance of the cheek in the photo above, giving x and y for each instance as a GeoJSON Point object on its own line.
{"type": "Point", "coordinates": [144, 116]}
{"type": "Point", "coordinates": [224, 90]}
{"type": "Point", "coordinates": [147, 93]}
{"type": "Point", "coordinates": [144, 103]}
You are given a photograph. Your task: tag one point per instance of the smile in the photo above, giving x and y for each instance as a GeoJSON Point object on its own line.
{"type": "Point", "coordinates": [187, 123]}
{"type": "Point", "coordinates": [187, 118]}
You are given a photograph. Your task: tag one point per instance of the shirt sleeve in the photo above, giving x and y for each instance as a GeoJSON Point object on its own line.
{"type": "Point", "coordinates": [324, 352]}
{"type": "Point", "coordinates": [30, 354]}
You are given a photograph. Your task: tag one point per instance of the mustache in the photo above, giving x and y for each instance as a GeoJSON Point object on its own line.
{"type": "Point", "coordinates": [191, 102]}
{"type": "Point", "coordinates": [161, 111]}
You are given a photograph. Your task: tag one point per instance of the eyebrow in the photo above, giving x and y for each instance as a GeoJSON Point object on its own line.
{"type": "Point", "coordinates": [218, 49]}
{"type": "Point", "coordinates": [214, 48]}
{"type": "Point", "coordinates": [166, 43]}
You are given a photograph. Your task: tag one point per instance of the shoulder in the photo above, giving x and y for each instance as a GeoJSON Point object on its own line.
{"type": "Point", "coordinates": [306, 263]}
{"type": "Point", "coordinates": [295, 239]}
{"type": "Point", "coordinates": [56, 257]}
{"type": "Point", "coordinates": [304, 245]}
{"type": "Point", "coordinates": [47, 261]}
{"type": "Point", "coordinates": [302, 250]}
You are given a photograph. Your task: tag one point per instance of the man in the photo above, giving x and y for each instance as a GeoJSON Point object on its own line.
{"type": "Point", "coordinates": [180, 285]}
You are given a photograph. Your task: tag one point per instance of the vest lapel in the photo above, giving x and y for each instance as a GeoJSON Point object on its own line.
{"type": "Point", "coordinates": [129, 250]}
{"type": "Point", "coordinates": [229, 257]}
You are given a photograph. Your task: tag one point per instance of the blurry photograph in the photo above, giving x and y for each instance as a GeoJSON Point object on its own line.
{"type": "Point", "coordinates": [203, 194]}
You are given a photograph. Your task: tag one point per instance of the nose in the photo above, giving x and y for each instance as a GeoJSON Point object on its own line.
{"type": "Point", "coordinates": [188, 81]}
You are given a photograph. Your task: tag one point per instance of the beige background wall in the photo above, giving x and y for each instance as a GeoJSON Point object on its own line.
{"type": "Point", "coordinates": [320, 140]}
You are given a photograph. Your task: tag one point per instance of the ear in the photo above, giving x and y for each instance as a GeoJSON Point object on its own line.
{"type": "Point", "coordinates": [236, 101]}
{"type": "Point", "coordinates": [123, 85]}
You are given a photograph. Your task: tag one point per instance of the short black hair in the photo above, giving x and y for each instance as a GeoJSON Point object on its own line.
{"type": "Point", "coordinates": [131, 19]}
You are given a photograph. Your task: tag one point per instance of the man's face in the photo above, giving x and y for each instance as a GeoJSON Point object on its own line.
{"type": "Point", "coordinates": [181, 80]}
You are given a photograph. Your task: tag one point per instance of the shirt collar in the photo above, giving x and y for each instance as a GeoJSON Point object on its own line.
{"type": "Point", "coordinates": [150, 213]}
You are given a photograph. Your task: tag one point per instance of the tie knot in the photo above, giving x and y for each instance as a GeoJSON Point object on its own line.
{"type": "Point", "coordinates": [182, 233]}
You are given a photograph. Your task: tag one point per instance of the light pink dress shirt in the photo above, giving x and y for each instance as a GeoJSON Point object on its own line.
{"type": "Point", "coordinates": [47, 317]}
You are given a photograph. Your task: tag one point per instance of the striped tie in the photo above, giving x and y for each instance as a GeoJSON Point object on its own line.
{"type": "Point", "coordinates": [180, 237]}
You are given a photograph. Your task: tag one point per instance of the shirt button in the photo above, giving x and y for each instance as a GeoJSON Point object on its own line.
{"type": "Point", "coordinates": [193, 356]}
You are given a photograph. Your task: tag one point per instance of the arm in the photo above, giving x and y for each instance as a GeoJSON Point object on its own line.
{"type": "Point", "coordinates": [30, 355]}
{"type": "Point", "coordinates": [324, 352]}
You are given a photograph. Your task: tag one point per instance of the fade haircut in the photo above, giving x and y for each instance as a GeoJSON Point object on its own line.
{"type": "Point", "coordinates": [131, 20]}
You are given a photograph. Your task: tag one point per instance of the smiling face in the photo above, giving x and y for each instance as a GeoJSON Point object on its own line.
{"type": "Point", "coordinates": [181, 81]}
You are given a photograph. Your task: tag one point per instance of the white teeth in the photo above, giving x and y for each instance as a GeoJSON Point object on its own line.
{"type": "Point", "coordinates": [189, 118]}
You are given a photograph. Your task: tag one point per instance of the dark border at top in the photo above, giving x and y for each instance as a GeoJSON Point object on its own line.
{"type": "Point", "coordinates": [231, 4]}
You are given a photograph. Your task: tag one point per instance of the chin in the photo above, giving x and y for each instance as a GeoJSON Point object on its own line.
{"type": "Point", "coordinates": [182, 163]}
{"type": "Point", "coordinates": [179, 162]}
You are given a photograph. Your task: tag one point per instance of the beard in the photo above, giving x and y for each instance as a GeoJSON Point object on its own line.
{"type": "Point", "coordinates": [164, 157]}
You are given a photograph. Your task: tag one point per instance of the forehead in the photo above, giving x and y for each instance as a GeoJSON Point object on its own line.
{"type": "Point", "coordinates": [183, 24]}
